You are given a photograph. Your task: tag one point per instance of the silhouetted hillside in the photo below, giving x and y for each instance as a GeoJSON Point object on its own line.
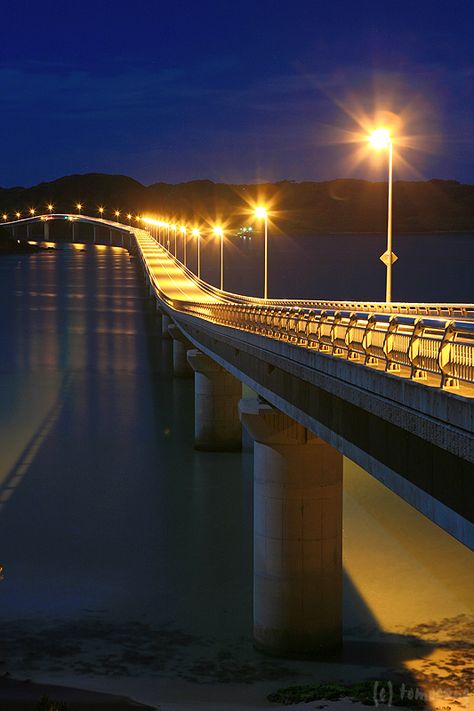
{"type": "Point", "coordinates": [300, 208]}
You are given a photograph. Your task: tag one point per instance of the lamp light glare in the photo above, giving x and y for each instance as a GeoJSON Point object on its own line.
{"type": "Point", "coordinates": [380, 138]}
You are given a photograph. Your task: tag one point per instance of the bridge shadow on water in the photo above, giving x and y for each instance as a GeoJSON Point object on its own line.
{"type": "Point", "coordinates": [127, 554]}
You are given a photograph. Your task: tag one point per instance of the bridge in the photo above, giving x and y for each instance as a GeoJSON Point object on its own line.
{"type": "Point", "coordinates": [390, 386]}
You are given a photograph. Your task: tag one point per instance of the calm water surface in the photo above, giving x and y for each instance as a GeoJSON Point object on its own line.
{"type": "Point", "coordinates": [430, 268]}
{"type": "Point", "coordinates": [126, 552]}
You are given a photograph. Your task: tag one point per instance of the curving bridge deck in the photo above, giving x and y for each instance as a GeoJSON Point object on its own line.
{"type": "Point", "coordinates": [388, 385]}
{"type": "Point", "coordinates": [391, 386]}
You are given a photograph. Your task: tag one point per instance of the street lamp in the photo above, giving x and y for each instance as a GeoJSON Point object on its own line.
{"type": "Point", "coordinates": [262, 214]}
{"type": "Point", "coordinates": [381, 139]}
{"type": "Point", "coordinates": [182, 229]}
{"type": "Point", "coordinates": [174, 228]}
{"type": "Point", "coordinates": [117, 214]}
{"type": "Point", "coordinates": [18, 215]}
{"type": "Point", "coordinates": [32, 211]}
{"type": "Point", "coordinates": [50, 208]}
{"type": "Point", "coordinates": [79, 207]}
{"type": "Point", "coordinates": [101, 211]}
{"type": "Point", "coordinates": [219, 232]}
{"type": "Point", "coordinates": [197, 234]}
{"type": "Point", "coordinates": [5, 216]}
{"type": "Point", "coordinates": [129, 218]}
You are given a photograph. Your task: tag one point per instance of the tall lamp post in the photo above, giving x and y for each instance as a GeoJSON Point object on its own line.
{"type": "Point", "coordinates": [197, 234]}
{"type": "Point", "coordinates": [219, 232]}
{"type": "Point", "coordinates": [262, 214]}
{"type": "Point", "coordinates": [174, 227]}
{"type": "Point", "coordinates": [182, 229]}
{"type": "Point", "coordinates": [381, 139]}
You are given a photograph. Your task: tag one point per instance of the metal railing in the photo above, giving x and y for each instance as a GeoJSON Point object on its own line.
{"type": "Point", "coordinates": [435, 351]}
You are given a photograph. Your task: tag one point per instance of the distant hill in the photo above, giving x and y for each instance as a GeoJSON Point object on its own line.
{"type": "Point", "coordinates": [343, 205]}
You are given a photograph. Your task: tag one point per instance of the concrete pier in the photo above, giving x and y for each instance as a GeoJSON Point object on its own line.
{"type": "Point", "coordinates": [158, 317]}
{"type": "Point", "coordinates": [181, 346]}
{"type": "Point", "coordinates": [297, 535]}
{"type": "Point", "coordinates": [46, 231]}
{"type": "Point", "coordinates": [216, 397]}
{"type": "Point", "coordinates": [165, 323]}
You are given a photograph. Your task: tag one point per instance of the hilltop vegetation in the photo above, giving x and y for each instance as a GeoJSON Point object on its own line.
{"type": "Point", "coordinates": [343, 205]}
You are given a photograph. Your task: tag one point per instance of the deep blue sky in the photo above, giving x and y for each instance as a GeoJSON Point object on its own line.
{"type": "Point", "coordinates": [232, 91]}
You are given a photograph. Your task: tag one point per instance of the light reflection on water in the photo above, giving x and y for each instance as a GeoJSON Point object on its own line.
{"type": "Point", "coordinates": [121, 539]}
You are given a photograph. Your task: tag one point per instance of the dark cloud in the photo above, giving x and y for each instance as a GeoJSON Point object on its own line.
{"type": "Point", "coordinates": [212, 91]}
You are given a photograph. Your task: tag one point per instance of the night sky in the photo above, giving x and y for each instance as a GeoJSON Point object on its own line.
{"type": "Point", "coordinates": [233, 91]}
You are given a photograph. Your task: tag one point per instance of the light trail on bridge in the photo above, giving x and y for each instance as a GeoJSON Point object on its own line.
{"type": "Point", "coordinates": [432, 344]}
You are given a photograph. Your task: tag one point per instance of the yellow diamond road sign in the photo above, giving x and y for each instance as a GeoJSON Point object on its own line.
{"type": "Point", "coordinates": [388, 258]}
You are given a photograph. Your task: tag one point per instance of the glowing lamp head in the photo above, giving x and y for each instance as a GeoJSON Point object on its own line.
{"type": "Point", "coordinates": [101, 210]}
{"type": "Point", "coordinates": [218, 231]}
{"type": "Point", "coordinates": [129, 216]}
{"type": "Point", "coordinates": [18, 214]}
{"type": "Point", "coordinates": [32, 210]}
{"type": "Point", "coordinates": [117, 213]}
{"type": "Point", "coordinates": [50, 207]}
{"type": "Point", "coordinates": [195, 232]}
{"type": "Point", "coordinates": [79, 206]}
{"type": "Point", "coordinates": [260, 213]}
{"type": "Point", "coordinates": [182, 229]}
{"type": "Point", "coordinates": [380, 138]}
{"type": "Point", "coordinates": [5, 217]}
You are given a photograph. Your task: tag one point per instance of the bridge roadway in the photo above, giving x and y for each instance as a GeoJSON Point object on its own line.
{"type": "Point", "coordinates": [389, 386]}
{"type": "Point", "coordinates": [406, 365]}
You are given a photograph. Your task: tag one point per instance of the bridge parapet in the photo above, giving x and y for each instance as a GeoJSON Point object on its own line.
{"type": "Point", "coordinates": [437, 352]}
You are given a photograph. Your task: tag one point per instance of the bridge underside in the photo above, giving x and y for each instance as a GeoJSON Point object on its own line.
{"type": "Point", "coordinates": [425, 462]}
{"type": "Point", "coordinates": [414, 438]}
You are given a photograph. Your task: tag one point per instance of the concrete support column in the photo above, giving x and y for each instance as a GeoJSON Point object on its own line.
{"type": "Point", "coordinates": [181, 346]}
{"type": "Point", "coordinates": [95, 234]}
{"type": "Point", "coordinates": [216, 398]}
{"type": "Point", "coordinates": [28, 230]}
{"type": "Point", "coordinates": [297, 535]}
{"type": "Point", "coordinates": [74, 231]}
{"type": "Point", "coordinates": [158, 316]}
{"type": "Point", "coordinates": [46, 231]}
{"type": "Point", "coordinates": [165, 323]}
{"type": "Point", "coordinates": [111, 236]}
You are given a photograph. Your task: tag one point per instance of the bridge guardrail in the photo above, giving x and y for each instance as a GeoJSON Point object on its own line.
{"type": "Point", "coordinates": [433, 348]}
{"type": "Point", "coordinates": [401, 308]}
{"type": "Point", "coordinates": [435, 351]}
